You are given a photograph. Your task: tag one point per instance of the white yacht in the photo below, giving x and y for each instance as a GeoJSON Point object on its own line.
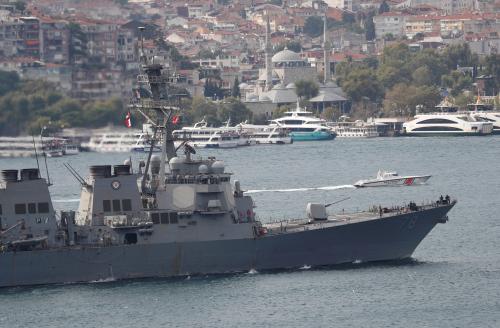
{"type": "Point", "coordinates": [486, 113]}
{"type": "Point", "coordinates": [117, 141]}
{"type": "Point", "coordinates": [391, 178]}
{"type": "Point", "coordinates": [356, 129]}
{"type": "Point", "coordinates": [446, 122]}
{"type": "Point", "coordinates": [20, 146]}
{"type": "Point", "coordinates": [202, 136]}
{"type": "Point", "coordinates": [23, 146]}
{"type": "Point", "coordinates": [303, 126]}
{"type": "Point", "coordinates": [266, 134]}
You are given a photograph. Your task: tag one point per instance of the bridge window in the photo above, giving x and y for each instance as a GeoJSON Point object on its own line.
{"type": "Point", "coordinates": [31, 208]}
{"type": "Point", "coordinates": [155, 217]}
{"type": "Point", "coordinates": [106, 205]}
{"type": "Point", "coordinates": [43, 207]}
{"type": "Point", "coordinates": [20, 208]}
{"type": "Point", "coordinates": [127, 204]}
{"type": "Point", "coordinates": [116, 205]}
{"type": "Point", "coordinates": [174, 218]}
{"type": "Point", "coordinates": [164, 218]}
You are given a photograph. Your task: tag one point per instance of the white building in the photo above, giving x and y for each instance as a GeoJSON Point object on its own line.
{"type": "Point", "coordinates": [389, 23]}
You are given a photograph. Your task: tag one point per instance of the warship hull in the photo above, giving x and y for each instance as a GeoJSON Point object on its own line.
{"type": "Point", "coordinates": [385, 238]}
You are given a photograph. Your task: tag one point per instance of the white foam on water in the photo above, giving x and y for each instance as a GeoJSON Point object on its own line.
{"type": "Point", "coordinates": [301, 189]}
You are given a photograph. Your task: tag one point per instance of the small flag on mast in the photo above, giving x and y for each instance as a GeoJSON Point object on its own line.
{"type": "Point", "coordinates": [128, 120]}
{"type": "Point", "coordinates": [176, 119]}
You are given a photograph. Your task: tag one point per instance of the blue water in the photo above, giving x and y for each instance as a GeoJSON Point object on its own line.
{"type": "Point", "coordinates": [452, 281]}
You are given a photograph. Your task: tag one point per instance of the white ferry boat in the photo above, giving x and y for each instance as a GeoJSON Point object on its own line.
{"type": "Point", "coordinates": [447, 122]}
{"type": "Point", "coordinates": [23, 146]}
{"type": "Point", "coordinates": [387, 178]}
{"type": "Point", "coordinates": [486, 113]}
{"type": "Point", "coordinates": [266, 134]}
{"type": "Point", "coordinates": [356, 129]}
{"type": "Point", "coordinates": [303, 126]}
{"type": "Point", "coordinates": [202, 136]}
{"type": "Point", "coordinates": [117, 141]}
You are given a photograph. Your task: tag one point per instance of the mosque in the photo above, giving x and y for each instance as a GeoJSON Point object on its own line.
{"type": "Point", "coordinates": [276, 83]}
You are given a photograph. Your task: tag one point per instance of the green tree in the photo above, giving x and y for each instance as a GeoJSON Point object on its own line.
{"type": "Point", "coordinates": [402, 99]}
{"type": "Point", "coordinates": [369, 28]}
{"type": "Point", "coordinates": [306, 89]}
{"type": "Point", "coordinates": [362, 82]}
{"type": "Point", "coordinates": [456, 82]}
{"type": "Point", "coordinates": [313, 26]}
{"type": "Point", "coordinates": [383, 8]}
{"type": "Point", "coordinates": [459, 55]}
{"type": "Point", "coordinates": [8, 81]}
{"type": "Point", "coordinates": [235, 110]}
{"type": "Point", "coordinates": [235, 91]}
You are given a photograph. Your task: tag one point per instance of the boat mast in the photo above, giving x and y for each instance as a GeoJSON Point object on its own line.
{"type": "Point", "coordinates": [157, 110]}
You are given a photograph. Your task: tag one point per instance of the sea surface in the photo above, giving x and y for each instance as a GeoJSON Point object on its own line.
{"type": "Point", "coordinates": [453, 279]}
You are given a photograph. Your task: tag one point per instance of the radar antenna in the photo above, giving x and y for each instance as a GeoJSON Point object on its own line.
{"type": "Point", "coordinates": [157, 109]}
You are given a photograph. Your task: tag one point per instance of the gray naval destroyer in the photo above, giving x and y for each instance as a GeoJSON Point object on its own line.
{"type": "Point", "coordinates": [178, 215]}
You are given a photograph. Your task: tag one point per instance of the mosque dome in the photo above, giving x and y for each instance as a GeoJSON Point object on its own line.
{"type": "Point", "coordinates": [286, 56]}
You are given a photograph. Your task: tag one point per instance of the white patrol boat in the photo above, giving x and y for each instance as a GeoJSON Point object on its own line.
{"type": "Point", "coordinates": [391, 178]}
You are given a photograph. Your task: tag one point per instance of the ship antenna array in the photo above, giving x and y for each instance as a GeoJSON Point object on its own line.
{"type": "Point", "coordinates": [75, 174]}
{"type": "Point", "coordinates": [156, 109]}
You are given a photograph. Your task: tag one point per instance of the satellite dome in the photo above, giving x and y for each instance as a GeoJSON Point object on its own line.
{"type": "Point", "coordinates": [218, 167]}
{"type": "Point", "coordinates": [176, 163]}
{"type": "Point", "coordinates": [203, 169]}
{"type": "Point", "coordinates": [155, 159]}
{"type": "Point", "coordinates": [286, 56]}
{"type": "Point", "coordinates": [127, 162]}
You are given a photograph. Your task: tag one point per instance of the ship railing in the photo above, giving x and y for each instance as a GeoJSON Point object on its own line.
{"type": "Point", "coordinates": [198, 179]}
{"type": "Point", "coordinates": [152, 104]}
{"type": "Point", "coordinates": [144, 78]}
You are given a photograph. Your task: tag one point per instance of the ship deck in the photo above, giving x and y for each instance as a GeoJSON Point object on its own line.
{"type": "Point", "coordinates": [296, 225]}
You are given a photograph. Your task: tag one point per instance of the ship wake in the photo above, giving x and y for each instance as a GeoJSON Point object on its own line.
{"type": "Point", "coordinates": [301, 189]}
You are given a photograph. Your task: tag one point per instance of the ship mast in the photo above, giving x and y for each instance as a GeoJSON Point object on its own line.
{"type": "Point", "coordinates": [157, 110]}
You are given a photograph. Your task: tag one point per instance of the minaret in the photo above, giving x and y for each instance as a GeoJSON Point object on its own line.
{"type": "Point", "coordinates": [326, 53]}
{"type": "Point", "coordinates": [268, 51]}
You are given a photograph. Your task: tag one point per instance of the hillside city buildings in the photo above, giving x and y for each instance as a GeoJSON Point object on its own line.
{"type": "Point", "coordinates": [82, 46]}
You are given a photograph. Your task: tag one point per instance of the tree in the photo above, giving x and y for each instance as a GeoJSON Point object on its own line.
{"type": "Point", "coordinates": [235, 91]}
{"type": "Point", "coordinates": [362, 82]}
{"type": "Point", "coordinates": [8, 81]}
{"type": "Point", "coordinates": [459, 55]}
{"type": "Point", "coordinates": [402, 99]}
{"type": "Point", "coordinates": [456, 82]}
{"type": "Point", "coordinates": [306, 89]}
{"type": "Point", "coordinates": [369, 28]}
{"type": "Point", "coordinates": [291, 45]}
{"type": "Point", "coordinates": [235, 110]}
{"type": "Point", "coordinates": [383, 8]}
{"type": "Point", "coordinates": [313, 26]}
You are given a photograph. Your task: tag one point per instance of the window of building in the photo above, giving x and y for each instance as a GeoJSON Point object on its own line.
{"type": "Point", "coordinates": [116, 205]}
{"type": "Point", "coordinates": [31, 208]}
{"type": "Point", "coordinates": [127, 204]}
{"type": "Point", "coordinates": [20, 208]}
{"type": "Point", "coordinates": [174, 218]}
{"type": "Point", "coordinates": [164, 218]}
{"type": "Point", "coordinates": [43, 207]}
{"type": "Point", "coordinates": [155, 217]}
{"type": "Point", "coordinates": [106, 205]}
